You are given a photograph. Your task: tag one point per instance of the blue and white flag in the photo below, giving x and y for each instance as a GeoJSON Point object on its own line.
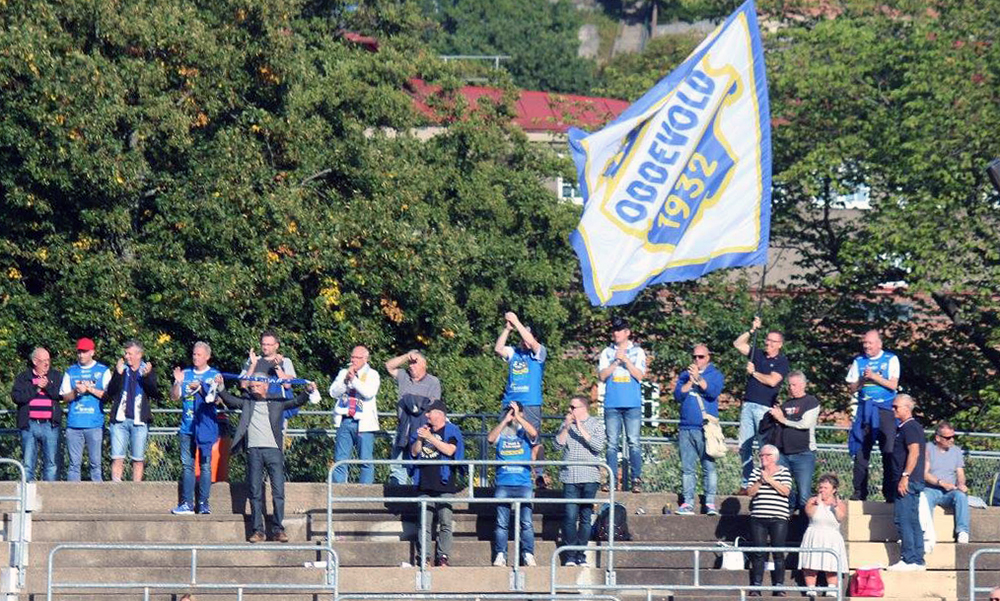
{"type": "Point", "coordinates": [680, 183]}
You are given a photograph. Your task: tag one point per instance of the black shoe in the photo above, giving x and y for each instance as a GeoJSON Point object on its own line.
{"type": "Point", "coordinates": [753, 594]}
{"type": "Point", "coordinates": [441, 561]}
{"type": "Point", "coordinates": [857, 497]}
{"type": "Point", "coordinates": [780, 594]}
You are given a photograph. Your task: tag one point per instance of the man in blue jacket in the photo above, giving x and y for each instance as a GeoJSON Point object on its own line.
{"type": "Point", "coordinates": [697, 390]}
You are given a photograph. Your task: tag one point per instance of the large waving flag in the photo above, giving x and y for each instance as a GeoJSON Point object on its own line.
{"type": "Point", "coordinates": [680, 183]}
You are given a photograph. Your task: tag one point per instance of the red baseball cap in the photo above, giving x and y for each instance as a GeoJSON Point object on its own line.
{"type": "Point", "coordinates": [85, 344]}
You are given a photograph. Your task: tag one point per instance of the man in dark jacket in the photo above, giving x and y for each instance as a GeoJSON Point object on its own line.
{"type": "Point", "coordinates": [259, 434]}
{"type": "Point", "coordinates": [131, 390]}
{"type": "Point", "coordinates": [36, 394]}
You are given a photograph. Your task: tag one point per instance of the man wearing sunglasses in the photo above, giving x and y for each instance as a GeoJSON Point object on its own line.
{"type": "Point", "coordinates": [697, 390]}
{"type": "Point", "coordinates": [945, 478]}
{"type": "Point", "coordinates": [907, 478]}
{"type": "Point", "coordinates": [766, 370]}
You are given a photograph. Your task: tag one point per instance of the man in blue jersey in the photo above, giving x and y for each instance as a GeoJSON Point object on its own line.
{"type": "Point", "coordinates": [698, 391]}
{"type": "Point", "coordinates": [199, 429]}
{"type": "Point", "coordinates": [874, 378]}
{"type": "Point", "coordinates": [621, 367]}
{"type": "Point", "coordinates": [512, 437]}
{"type": "Point", "coordinates": [767, 368]}
{"type": "Point", "coordinates": [83, 388]}
{"type": "Point", "coordinates": [525, 370]}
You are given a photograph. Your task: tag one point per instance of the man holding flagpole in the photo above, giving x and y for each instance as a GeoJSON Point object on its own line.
{"type": "Point", "coordinates": [679, 184]}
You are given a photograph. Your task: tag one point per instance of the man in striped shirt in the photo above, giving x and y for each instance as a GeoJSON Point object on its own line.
{"type": "Point", "coordinates": [36, 394]}
{"type": "Point", "coordinates": [581, 438]}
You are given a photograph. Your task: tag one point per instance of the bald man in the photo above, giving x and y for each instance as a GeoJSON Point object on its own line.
{"type": "Point", "coordinates": [355, 414]}
{"type": "Point", "coordinates": [36, 394]}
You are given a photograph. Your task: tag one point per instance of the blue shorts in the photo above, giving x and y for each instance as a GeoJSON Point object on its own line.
{"type": "Point", "coordinates": [128, 434]}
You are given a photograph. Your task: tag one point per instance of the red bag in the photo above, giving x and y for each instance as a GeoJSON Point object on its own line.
{"type": "Point", "coordinates": [866, 582]}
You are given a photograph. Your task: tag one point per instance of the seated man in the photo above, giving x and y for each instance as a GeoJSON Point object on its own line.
{"type": "Point", "coordinates": [945, 478]}
{"type": "Point", "coordinates": [513, 438]}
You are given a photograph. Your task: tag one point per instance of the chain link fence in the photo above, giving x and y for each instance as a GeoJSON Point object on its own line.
{"type": "Point", "coordinates": [309, 452]}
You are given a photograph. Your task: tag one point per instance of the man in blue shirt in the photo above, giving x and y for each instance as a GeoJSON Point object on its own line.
{"type": "Point", "coordinates": [874, 378]}
{"type": "Point", "coordinates": [512, 437]}
{"type": "Point", "coordinates": [83, 388]}
{"type": "Point", "coordinates": [525, 370]}
{"type": "Point", "coordinates": [621, 367]}
{"type": "Point", "coordinates": [698, 391]}
{"type": "Point", "coordinates": [195, 388]}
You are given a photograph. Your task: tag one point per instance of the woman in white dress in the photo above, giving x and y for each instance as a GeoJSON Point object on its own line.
{"type": "Point", "coordinates": [826, 511]}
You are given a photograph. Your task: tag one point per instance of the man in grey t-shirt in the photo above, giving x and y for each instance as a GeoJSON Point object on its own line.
{"type": "Point", "coordinates": [417, 390]}
{"type": "Point", "coordinates": [945, 478]}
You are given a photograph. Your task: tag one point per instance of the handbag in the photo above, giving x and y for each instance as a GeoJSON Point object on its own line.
{"type": "Point", "coordinates": [715, 442]}
{"type": "Point", "coordinates": [866, 582]}
{"type": "Point", "coordinates": [732, 559]}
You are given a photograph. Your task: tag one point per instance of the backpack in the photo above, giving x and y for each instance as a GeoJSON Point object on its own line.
{"type": "Point", "coordinates": [994, 496]}
{"type": "Point", "coordinates": [601, 526]}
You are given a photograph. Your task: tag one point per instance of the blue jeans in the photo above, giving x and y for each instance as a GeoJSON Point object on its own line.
{"type": "Point", "coordinates": [750, 416]}
{"type": "Point", "coordinates": [503, 520]}
{"type": "Point", "coordinates": [398, 474]}
{"type": "Point", "coordinates": [42, 433]}
{"type": "Point", "coordinates": [576, 521]}
{"type": "Point", "coordinates": [956, 499]}
{"type": "Point", "coordinates": [906, 511]}
{"type": "Point", "coordinates": [128, 434]}
{"type": "Point", "coordinates": [75, 439]}
{"type": "Point", "coordinates": [803, 466]}
{"type": "Point", "coordinates": [632, 418]}
{"type": "Point", "coordinates": [692, 447]}
{"type": "Point", "coordinates": [344, 442]}
{"type": "Point", "coordinates": [188, 448]}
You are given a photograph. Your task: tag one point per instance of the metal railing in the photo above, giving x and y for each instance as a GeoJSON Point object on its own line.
{"type": "Point", "coordinates": [697, 585]}
{"type": "Point", "coordinates": [20, 545]}
{"type": "Point", "coordinates": [973, 589]}
{"type": "Point", "coordinates": [476, 597]}
{"type": "Point", "coordinates": [423, 576]}
{"type": "Point", "coordinates": [331, 567]}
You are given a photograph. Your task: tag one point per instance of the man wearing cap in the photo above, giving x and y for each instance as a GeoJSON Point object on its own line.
{"type": "Point", "coordinates": [525, 369]}
{"type": "Point", "coordinates": [259, 435]}
{"type": "Point", "coordinates": [438, 440]}
{"type": "Point", "coordinates": [83, 388]}
{"type": "Point", "coordinates": [355, 414]}
{"type": "Point", "coordinates": [766, 370]}
{"type": "Point", "coordinates": [132, 389]}
{"type": "Point", "coordinates": [621, 367]}
{"type": "Point", "coordinates": [417, 390]}
{"type": "Point", "coordinates": [36, 394]}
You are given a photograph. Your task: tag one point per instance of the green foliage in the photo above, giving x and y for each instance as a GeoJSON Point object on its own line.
{"type": "Point", "coordinates": [540, 38]}
{"type": "Point", "coordinates": [629, 76]}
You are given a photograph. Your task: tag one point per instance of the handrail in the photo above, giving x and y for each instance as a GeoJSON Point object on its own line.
{"type": "Point", "coordinates": [973, 589]}
{"type": "Point", "coordinates": [423, 501]}
{"type": "Point", "coordinates": [20, 545]}
{"type": "Point", "coordinates": [554, 587]}
{"type": "Point", "coordinates": [331, 567]}
{"type": "Point", "coordinates": [477, 597]}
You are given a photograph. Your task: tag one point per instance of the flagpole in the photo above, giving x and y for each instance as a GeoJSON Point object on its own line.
{"type": "Point", "coordinates": [760, 303]}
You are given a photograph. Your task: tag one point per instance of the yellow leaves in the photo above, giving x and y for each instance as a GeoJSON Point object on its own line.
{"type": "Point", "coordinates": [59, 119]}
{"type": "Point", "coordinates": [293, 228]}
{"type": "Point", "coordinates": [330, 293]}
{"type": "Point", "coordinates": [42, 254]}
{"type": "Point", "coordinates": [255, 128]}
{"type": "Point", "coordinates": [13, 273]}
{"type": "Point", "coordinates": [200, 121]}
{"type": "Point", "coordinates": [163, 338]}
{"type": "Point", "coordinates": [272, 257]}
{"type": "Point", "coordinates": [117, 312]}
{"type": "Point", "coordinates": [74, 134]}
{"type": "Point", "coordinates": [390, 309]}
{"type": "Point", "coordinates": [423, 339]}
{"type": "Point", "coordinates": [241, 15]}
{"type": "Point", "coordinates": [119, 179]}
{"type": "Point", "coordinates": [448, 333]}
{"type": "Point", "coordinates": [84, 243]}
{"type": "Point", "coordinates": [188, 72]}
{"type": "Point", "coordinates": [268, 75]}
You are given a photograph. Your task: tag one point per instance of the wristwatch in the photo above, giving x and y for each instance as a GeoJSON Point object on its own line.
{"type": "Point", "coordinates": [906, 474]}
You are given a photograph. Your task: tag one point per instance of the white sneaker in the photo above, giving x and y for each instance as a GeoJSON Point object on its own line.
{"type": "Point", "coordinates": [500, 561]}
{"type": "Point", "coordinates": [529, 560]}
{"type": "Point", "coordinates": [902, 566]}
{"type": "Point", "coordinates": [963, 538]}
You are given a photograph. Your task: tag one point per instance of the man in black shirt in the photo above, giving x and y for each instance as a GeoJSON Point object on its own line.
{"type": "Point", "coordinates": [798, 416]}
{"type": "Point", "coordinates": [908, 479]}
{"type": "Point", "coordinates": [438, 440]}
{"type": "Point", "coordinates": [766, 369]}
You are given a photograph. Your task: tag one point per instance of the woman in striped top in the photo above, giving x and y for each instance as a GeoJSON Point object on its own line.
{"type": "Point", "coordinates": [770, 485]}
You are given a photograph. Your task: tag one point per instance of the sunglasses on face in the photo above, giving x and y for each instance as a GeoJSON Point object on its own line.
{"type": "Point", "coordinates": [943, 437]}
{"type": "Point", "coordinates": [699, 356]}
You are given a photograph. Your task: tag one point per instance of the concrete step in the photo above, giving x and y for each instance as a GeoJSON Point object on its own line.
{"type": "Point", "coordinates": [356, 580]}
{"type": "Point", "coordinates": [860, 554]}
{"type": "Point", "coordinates": [881, 528]}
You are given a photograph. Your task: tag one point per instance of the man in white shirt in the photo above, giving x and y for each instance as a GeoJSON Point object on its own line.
{"type": "Point", "coordinates": [355, 414]}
